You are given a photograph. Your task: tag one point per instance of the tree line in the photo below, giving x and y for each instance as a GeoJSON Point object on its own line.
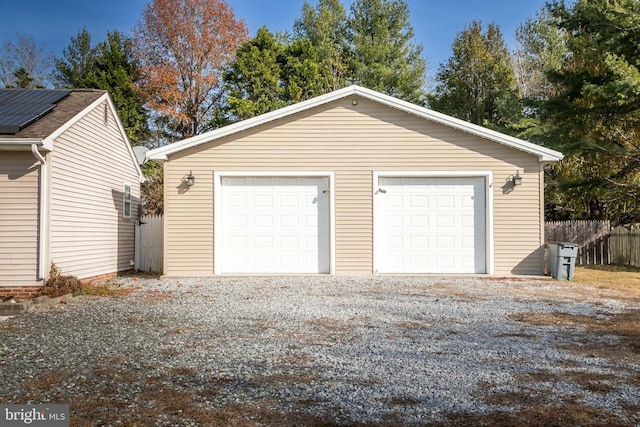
{"type": "Point", "coordinates": [571, 82]}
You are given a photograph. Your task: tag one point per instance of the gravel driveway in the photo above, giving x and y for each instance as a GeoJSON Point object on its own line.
{"type": "Point", "coordinates": [328, 351]}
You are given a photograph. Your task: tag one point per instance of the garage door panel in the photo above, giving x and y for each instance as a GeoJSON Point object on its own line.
{"type": "Point", "coordinates": [260, 221]}
{"type": "Point", "coordinates": [419, 241]}
{"type": "Point", "coordinates": [419, 221]}
{"type": "Point", "coordinates": [444, 201]}
{"type": "Point", "coordinates": [239, 200]}
{"type": "Point", "coordinates": [288, 221]}
{"type": "Point", "coordinates": [431, 225]}
{"type": "Point", "coordinates": [445, 221]}
{"type": "Point", "coordinates": [274, 225]}
{"type": "Point", "coordinates": [262, 241]}
{"type": "Point", "coordinates": [291, 242]}
{"type": "Point", "coordinates": [445, 262]}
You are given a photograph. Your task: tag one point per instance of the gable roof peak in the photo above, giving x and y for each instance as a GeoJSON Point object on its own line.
{"type": "Point", "coordinates": [544, 154]}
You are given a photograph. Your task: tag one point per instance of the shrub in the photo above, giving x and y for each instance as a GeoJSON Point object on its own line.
{"type": "Point", "coordinates": [57, 284]}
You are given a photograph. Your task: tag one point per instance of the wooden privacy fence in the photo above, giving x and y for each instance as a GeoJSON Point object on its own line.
{"type": "Point", "coordinates": [597, 242]}
{"type": "Point", "coordinates": [592, 238]}
{"type": "Point", "coordinates": [625, 246]}
{"type": "Point", "coordinates": [149, 243]}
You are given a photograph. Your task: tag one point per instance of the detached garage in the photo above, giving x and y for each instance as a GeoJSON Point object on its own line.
{"type": "Point", "coordinates": [353, 182]}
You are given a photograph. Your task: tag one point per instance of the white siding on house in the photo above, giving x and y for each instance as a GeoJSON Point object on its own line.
{"type": "Point", "coordinates": [353, 142]}
{"type": "Point", "coordinates": [19, 216]}
{"type": "Point", "coordinates": [89, 164]}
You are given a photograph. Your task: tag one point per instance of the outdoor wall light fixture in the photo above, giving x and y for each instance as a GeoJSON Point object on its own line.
{"type": "Point", "coordinates": [190, 179]}
{"type": "Point", "coordinates": [517, 179]}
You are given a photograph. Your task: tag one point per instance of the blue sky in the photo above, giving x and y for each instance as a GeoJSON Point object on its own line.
{"type": "Point", "coordinates": [436, 22]}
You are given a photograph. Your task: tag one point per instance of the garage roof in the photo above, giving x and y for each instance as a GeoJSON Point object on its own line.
{"type": "Point", "coordinates": [544, 154]}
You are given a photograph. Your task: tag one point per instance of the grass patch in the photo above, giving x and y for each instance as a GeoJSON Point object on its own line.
{"type": "Point", "coordinates": [619, 278]}
{"type": "Point", "coordinates": [159, 403]}
{"type": "Point", "coordinates": [625, 325]}
{"type": "Point", "coordinates": [541, 414]}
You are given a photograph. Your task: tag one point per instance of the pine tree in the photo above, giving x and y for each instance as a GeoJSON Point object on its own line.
{"type": "Point", "coordinates": [74, 68]}
{"type": "Point", "coordinates": [384, 57]}
{"type": "Point", "coordinates": [253, 82]}
{"type": "Point", "coordinates": [23, 78]}
{"type": "Point", "coordinates": [596, 112]}
{"type": "Point", "coordinates": [304, 74]}
{"type": "Point", "coordinates": [325, 27]}
{"type": "Point", "coordinates": [114, 70]}
{"type": "Point", "coordinates": [477, 83]}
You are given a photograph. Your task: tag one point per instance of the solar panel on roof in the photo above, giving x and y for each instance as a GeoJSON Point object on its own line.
{"type": "Point", "coordinates": [5, 95]}
{"type": "Point", "coordinates": [38, 96]}
{"type": "Point", "coordinates": [14, 118]}
{"type": "Point", "coordinates": [21, 107]}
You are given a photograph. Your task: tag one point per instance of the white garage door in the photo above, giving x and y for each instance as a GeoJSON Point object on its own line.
{"type": "Point", "coordinates": [274, 225]}
{"type": "Point", "coordinates": [430, 225]}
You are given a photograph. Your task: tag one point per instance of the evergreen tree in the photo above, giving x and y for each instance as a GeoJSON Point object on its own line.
{"type": "Point", "coordinates": [253, 81]}
{"type": "Point", "coordinates": [325, 27]}
{"type": "Point", "coordinates": [74, 68]}
{"type": "Point", "coordinates": [596, 111]}
{"type": "Point", "coordinates": [108, 66]}
{"type": "Point", "coordinates": [23, 78]}
{"type": "Point", "coordinates": [384, 58]}
{"type": "Point", "coordinates": [114, 70]}
{"type": "Point", "coordinates": [477, 83]}
{"type": "Point", "coordinates": [304, 74]}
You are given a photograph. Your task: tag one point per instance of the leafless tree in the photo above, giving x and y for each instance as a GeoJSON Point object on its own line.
{"type": "Point", "coordinates": [23, 63]}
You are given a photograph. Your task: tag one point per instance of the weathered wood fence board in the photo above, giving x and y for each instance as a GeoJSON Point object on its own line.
{"type": "Point", "coordinates": [578, 232]}
{"type": "Point", "coordinates": [149, 243]}
{"type": "Point", "coordinates": [592, 238]}
{"type": "Point", "coordinates": [597, 242]}
{"type": "Point", "coordinates": [596, 252]}
{"type": "Point", "coordinates": [625, 246]}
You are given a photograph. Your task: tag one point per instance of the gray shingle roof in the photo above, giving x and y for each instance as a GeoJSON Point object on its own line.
{"type": "Point", "coordinates": [64, 111]}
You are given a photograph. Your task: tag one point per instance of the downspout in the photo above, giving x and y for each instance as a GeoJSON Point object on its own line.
{"type": "Point", "coordinates": [43, 210]}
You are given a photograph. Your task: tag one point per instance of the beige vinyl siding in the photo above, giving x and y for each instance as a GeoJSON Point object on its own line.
{"type": "Point", "coordinates": [189, 226]}
{"type": "Point", "coordinates": [19, 218]}
{"type": "Point", "coordinates": [352, 141]}
{"type": "Point", "coordinates": [354, 224]}
{"type": "Point", "coordinates": [89, 164]}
